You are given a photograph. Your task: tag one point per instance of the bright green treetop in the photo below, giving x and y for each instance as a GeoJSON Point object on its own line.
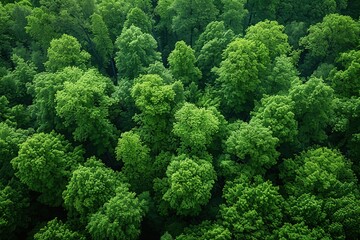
{"type": "Point", "coordinates": [84, 107]}
{"type": "Point", "coordinates": [90, 187]}
{"type": "Point", "coordinates": [253, 145]}
{"type": "Point", "coordinates": [272, 35]}
{"type": "Point", "coordinates": [277, 114]}
{"type": "Point", "coordinates": [137, 162]}
{"type": "Point", "coordinates": [252, 210]}
{"type": "Point", "coordinates": [182, 64]}
{"type": "Point", "coordinates": [136, 50]}
{"type": "Point", "coordinates": [322, 172]}
{"type": "Point", "coordinates": [195, 127]}
{"type": "Point", "coordinates": [45, 163]}
{"type": "Point", "coordinates": [118, 218]}
{"type": "Point", "coordinates": [56, 229]}
{"type": "Point", "coordinates": [64, 52]}
{"type": "Point", "coordinates": [189, 183]}
{"type": "Point", "coordinates": [241, 71]}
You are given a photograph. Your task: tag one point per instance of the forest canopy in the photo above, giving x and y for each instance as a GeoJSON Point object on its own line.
{"type": "Point", "coordinates": [179, 119]}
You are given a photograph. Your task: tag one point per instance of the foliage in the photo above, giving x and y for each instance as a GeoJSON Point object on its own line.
{"type": "Point", "coordinates": [120, 217]}
{"type": "Point", "coordinates": [90, 186]}
{"type": "Point", "coordinates": [248, 215]}
{"type": "Point", "coordinates": [135, 51]}
{"type": "Point", "coordinates": [189, 183]}
{"type": "Point", "coordinates": [56, 229]}
{"type": "Point", "coordinates": [137, 162]}
{"type": "Point", "coordinates": [241, 71]}
{"type": "Point", "coordinates": [253, 145]}
{"type": "Point", "coordinates": [45, 163]}
{"type": "Point", "coordinates": [65, 52]}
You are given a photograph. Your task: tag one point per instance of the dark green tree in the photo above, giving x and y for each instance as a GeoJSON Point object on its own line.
{"type": "Point", "coordinates": [139, 19]}
{"type": "Point", "coordinates": [191, 18]}
{"type": "Point", "coordinates": [234, 14]}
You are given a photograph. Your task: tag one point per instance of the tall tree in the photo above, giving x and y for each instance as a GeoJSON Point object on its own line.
{"type": "Point", "coordinates": [187, 185]}
{"type": "Point", "coordinates": [118, 218]}
{"type": "Point", "coordinates": [45, 163]}
{"type": "Point", "coordinates": [272, 35]}
{"type": "Point", "coordinates": [135, 51]}
{"type": "Point", "coordinates": [192, 17]}
{"type": "Point", "coordinates": [243, 67]}
{"type": "Point", "coordinates": [137, 167]}
{"type": "Point", "coordinates": [182, 64]}
{"type": "Point", "coordinates": [64, 52]}
{"type": "Point", "coordinates": [84, 107]}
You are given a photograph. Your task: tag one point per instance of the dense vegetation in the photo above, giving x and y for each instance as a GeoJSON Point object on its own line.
{"type": "Point", "coordinates": [179, 119]}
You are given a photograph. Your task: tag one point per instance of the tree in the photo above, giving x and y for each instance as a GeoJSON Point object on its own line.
{"type": "Point", "coordinates": [252, 209]}
{"type": "Point", "coordinates": [314, 109]}
{"type": "Point", "coordinates": [84, 107]}
{"type": "Point", "coordinates": [234, 14]}
{"type": "Point", "coordinates": [65, 51]}
{"type": "Point", "coordinates": [182, 64]}
{"type": "Point", "coordinates": [309, 11]}
{"type": "Point", "coordinates": [260, 10]}
{"type": "Point", "coordinates": [307, 209]}
{"type": "Point", "coordinates": [195, 127]}
{"type": "Point", "coordinates": [187, 185]}
{"type": "Point", "coordinates": [13, 84]}
{"type": "Point", "coordinates": [299, 231]}
{"type": "Point", "coordinates": [135, 51]}
{"type": "Point", "coordinates": [322, 171]}
{"type": "Point", "coordinates": [241, 71]}
{"type": "Point", "coordinates": [156, 101]}
{"type": "Point", "coordinates": [56, 229]}
{"type": "Point", "coordinates": [14, 204]}
{"type": "Point", "coordinates": [191, 18]}
{"type": "Point", "coordinates": [209, 47]}
{"type": "Point", "coordinates": [282, 77]}
{"type": "Point", "coordinates": [346, 79]}
{"type": "Point", "coordinates": [45, 163]}
{"type": "Point", "coordinates": [114, 14]}
{"type": "Point", "coordinates": [277, 114]}
{"type": "Point", "coordinates": [90, 187]}
{"type": "Point", "coordinates": [119, 218]}
{"type": "Point", "coordinates": [137, 167]}
{"type": "Point", "coordinates": [254, 146]}
{"type": "Point", "coordinates": [101, 38]}
{"type": "Point", "coordinates": [10, 139]}
{"type": "Point", "coordinates": [43, 89]}
{"type": "Point", "coordinates": [205, 230]}
{"type": "Point", "coordinates": [327, 39]}
{"type": "Point", "coordinates": [139, 19]}
{"type": "Point", "coordinates": [272, 35]}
